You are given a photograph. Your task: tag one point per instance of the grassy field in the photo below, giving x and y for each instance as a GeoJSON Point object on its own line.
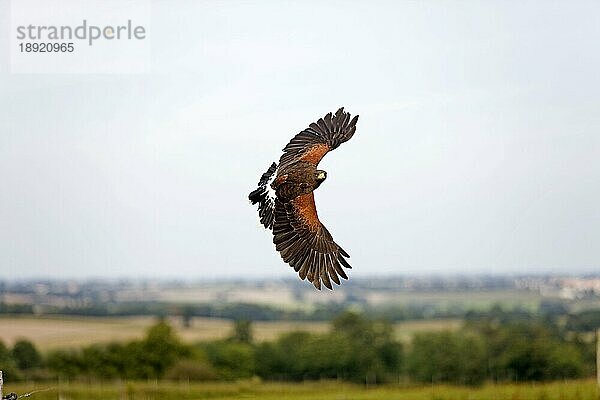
{"type": "Point", "coordinates": [56, 332]}
{"type": "Point", "coordinates": [570, 390]}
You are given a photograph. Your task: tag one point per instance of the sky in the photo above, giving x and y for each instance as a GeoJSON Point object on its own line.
{"type": "Point", "coordinates": [477, 148]}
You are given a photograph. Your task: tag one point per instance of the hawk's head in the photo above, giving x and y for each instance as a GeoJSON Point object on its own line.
{"type": "Point", "coordinates": [320, 176]}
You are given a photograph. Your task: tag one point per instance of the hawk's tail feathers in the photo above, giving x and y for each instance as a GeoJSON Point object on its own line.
{"type": "Point", "coordinates": [265, 197]}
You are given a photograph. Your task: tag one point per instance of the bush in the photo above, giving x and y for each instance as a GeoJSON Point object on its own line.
{"type": "Point", "coordinates": [447, 357]}
{"type": "Point", "coordinates": [231, 360]}
{"type": "Point", "coordinates": [530, 351]}
{"type": "Point", "coordinates": [356, 349]}
{"type": "Point", "coordinates": [66, 363]}
{"type": "Point", "coordinates": [148, 358]}
{"type": "Point", "coordinates": [192, 370]}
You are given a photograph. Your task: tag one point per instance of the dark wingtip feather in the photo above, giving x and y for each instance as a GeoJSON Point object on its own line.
{"type": "Point", "coordinates": [261, 196]}
{"type": "Point", "coordinates": [254, 196]}
{"type": "Point", "coordinates": [343, 261]}
{"type": "Point", "coordinates": [343, 252]}
{"type": "Point", "coordinates": [317, 283]}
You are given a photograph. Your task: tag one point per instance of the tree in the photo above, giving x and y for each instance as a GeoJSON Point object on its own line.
{"type": "Point", "coordinates": [8, 364]}
{"type": "Point", "coordinates": [526, 350]}
{"type": "Point", "coordinates": [26, 355]}
{"type": "Point", "coordinates": [375, 353]}
{"type": "Point", "coordinates": [160, 349]}
{"type": "Point", "coordinates": [242, 331]}
{"type": "Point", "coordinates": [447, 357]}
{"type": "Point", "coordinates": [278, 359]}
{"type": "Point", "coordinates": [542, 358]}
{"type": "Point", "coordinates": [352, 324]}
{"type": "Point", "coordinates": [187, 313]}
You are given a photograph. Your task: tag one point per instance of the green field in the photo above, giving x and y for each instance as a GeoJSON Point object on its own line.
{"type": "Point", "coordinates": [570, 390]}
{"type": "Point", "coordinates": [58, 332]}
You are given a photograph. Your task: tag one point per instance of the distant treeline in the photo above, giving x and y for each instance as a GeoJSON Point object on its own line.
{"type": "Point", "coordinates": [496, 347]}
{"type": "Point", "coordinates": [583, 321]}
{"type": "Point", "coordinates": [16, 308]}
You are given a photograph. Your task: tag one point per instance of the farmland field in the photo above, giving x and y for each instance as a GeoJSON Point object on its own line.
{"type": "Point", "coordinates": [569, 390]}
{"type": "Point", "coordinates": [56, 332]}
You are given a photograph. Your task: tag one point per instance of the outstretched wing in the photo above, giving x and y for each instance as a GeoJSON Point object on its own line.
{"type": "Point", "coordinates": [318, 139]}
{"type": "Point", "coordinates": [305, 243]}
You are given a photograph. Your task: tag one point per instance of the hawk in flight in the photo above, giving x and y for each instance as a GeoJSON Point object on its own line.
{"type": "Point", "coordinates": [286, 204]}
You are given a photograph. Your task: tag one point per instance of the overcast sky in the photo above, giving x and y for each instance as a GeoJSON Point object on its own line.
{"type": "Point", "coordinates": [477, 148]}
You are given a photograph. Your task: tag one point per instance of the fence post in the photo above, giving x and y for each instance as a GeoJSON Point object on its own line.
{"type": "Point", "coordinates": [597, 358]}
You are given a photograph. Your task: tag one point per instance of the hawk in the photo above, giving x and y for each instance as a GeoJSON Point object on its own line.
{"type": "Point", "coordinates": [286, 203]}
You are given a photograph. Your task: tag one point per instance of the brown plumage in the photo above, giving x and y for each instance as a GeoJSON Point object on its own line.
{"type": "Point", "coordinates": [286, 201]}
